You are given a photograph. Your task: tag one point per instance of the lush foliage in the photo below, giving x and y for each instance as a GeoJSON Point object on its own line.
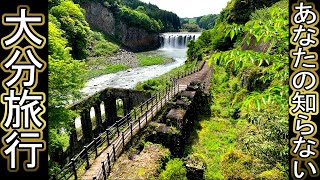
{"type": "Point", "coordinates": [98, 46]}
{"type": "Point", "coordinates": [204, 22]}
{"type": "Point", "coordinates": [207, 21]}
{"type": "Point", "coordinates": [69, 38]}
{"type": "Point", "coordinates": [190, 28]}
{"type": "Point", "coordinates": [215, 136]}
{"type": "Point", "coordinates": [249, 86]}
{"type": "Point", "coordinates": [170, 21]}
{"type": "Point", "coordinates": [64, 82]}
{"type": "Point", "coordinates": [239, 11]}
{"type": "Point", "coordinates": [138, 19]}
{"type": "Point", "coordinates": [174, 170]}
{"type": "Point", "coordinates": [72, 20]}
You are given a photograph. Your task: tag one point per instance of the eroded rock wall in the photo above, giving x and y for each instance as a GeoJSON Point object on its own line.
{"type": "Point", "coordinates": [135, 39]}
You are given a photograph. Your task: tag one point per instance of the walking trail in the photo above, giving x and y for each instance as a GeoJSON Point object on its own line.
{"type": "Point", "coordinates": [204, 75]}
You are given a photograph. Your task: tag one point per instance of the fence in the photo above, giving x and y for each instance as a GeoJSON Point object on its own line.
{"type": "Point", "coordinates": [114, 138]}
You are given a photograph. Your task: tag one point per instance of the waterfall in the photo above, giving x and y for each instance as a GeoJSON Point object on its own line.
{"type": "Point", "coordinates": [177, 40]}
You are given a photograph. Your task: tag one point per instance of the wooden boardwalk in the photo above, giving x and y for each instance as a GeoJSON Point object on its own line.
{"type": "Point", "coordinates": [106, 156]}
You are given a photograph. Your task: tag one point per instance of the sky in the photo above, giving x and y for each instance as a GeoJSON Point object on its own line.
{"type": "Point", "coordinates": [190, 8]}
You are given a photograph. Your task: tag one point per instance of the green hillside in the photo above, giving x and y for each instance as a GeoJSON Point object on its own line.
{"type": "Point", "coordinates": [248, 50]}
{"type": "Point", "coordinates": [202, 22]}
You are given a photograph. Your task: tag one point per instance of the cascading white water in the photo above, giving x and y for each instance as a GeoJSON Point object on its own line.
{"type": "Point", "coordinates": [177, 40]}
{"type": "Point", "coordinates": [174, 45]}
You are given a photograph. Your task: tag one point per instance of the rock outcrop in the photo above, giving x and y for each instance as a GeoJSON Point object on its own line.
{"type": "Point", "coordinates": [135, 39]}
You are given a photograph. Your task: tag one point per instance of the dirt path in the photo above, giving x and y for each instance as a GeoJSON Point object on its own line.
{"type": "Point", "coordinates": [95, 167]}
{"type": "Point", "coordinates": [204, 75]}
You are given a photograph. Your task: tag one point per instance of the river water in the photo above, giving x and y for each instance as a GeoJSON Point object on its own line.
{"type": "Point", "coordinates": [173, 45]}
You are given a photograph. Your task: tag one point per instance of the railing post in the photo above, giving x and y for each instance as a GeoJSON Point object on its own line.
{"type": "Point", "coordinates": [74, 169]}
{"type": "Point", "coordinates": [127, 119]}
{"type": "Point", "coordinates": [95, 146]}
{"type": "Point", "coordinates": [131, 132]}
{"type": "Point", "coordinates": [140, 109]}
{"type": "Point", "coordinates": [87, 156]}
{"type": "Point", "coordinates": [114, 152]}
{"type": "Point", "coordinates": [104, 171]}
{"type": "Point", "coordinates": [117, 124]}
{"type": "Point", "coordinates": [108, 140]}
{"type": "Point", "coordinates": [123, 139]}
{"type": "Point", "coordinates": [139, 123]}
{"type": "Point", "coordinates": [147, 105]}
{"type": "Point", "coordinates": [109, 164]}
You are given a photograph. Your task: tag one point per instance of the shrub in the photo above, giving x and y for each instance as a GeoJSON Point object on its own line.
{"type": "Point", "coordinates": [237, 165]}
{"type": "Point", "coordinates": [175, 170]}
{"type": "Point", "coordinates": [275, 173]}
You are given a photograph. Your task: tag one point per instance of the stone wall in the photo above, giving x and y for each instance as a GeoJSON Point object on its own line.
{"type": "Point", "coordinates": [130, 98]}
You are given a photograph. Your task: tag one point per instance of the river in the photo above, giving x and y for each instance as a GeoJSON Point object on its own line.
{"type": "Point", "coordinates": [173, 45]}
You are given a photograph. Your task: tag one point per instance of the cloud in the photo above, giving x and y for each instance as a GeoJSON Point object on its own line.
{"type": "Point", "coordinates": [190, 8]}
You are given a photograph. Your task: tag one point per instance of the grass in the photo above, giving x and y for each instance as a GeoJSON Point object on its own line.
{"type": "Point", "coordinates": [144, 165]}
{"type": "Point", "coordinates": [214, 137]}
{"type": "Point", "coordinates": [111, 68]}
{"type": "Point", "coordinates": [159, 83]}
{"type": "Point", "coordinates": [149, 60]}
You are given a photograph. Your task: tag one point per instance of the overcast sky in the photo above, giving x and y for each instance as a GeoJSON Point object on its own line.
{"type": "Point", "coordinates": [190, 8]}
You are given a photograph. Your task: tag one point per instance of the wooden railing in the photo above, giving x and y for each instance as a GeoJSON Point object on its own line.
{"type": "Point", "coordinates": [114, 138]}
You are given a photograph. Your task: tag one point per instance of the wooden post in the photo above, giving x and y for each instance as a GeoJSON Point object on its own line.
{"type": "Point", "coordinates": [147, 105]}
{"type": "Point", "coordinates": [127, 118]}
{"type": "Point", "coordinates": [104, 171]}
{"type": "Point", "coordinates": [131, 133]}
{"type": "Point", "coordinates": [108, 140]}
{"type": "Point", "coordinates": [74, 169]}
{"type": "Point", "coordinates": [123, 139]}
{"type": "Point", "coordinates": [117, 124]}
{"type": "Point", "coordinates": [95, 146]}
{"type": "Point", "coordinates": [140, 109]}
{"type": "Point", "coordinates": [87, 156]}
{"type": "Point", "coordinates": [109, 164]}
{"type": "Point", "coordinates": [114, 152]}
{"type": "Point", "coordinates": [146, 116]}
{"type": "Point", "coordinates": [139, 123]}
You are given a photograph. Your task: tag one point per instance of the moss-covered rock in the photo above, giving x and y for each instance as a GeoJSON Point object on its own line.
{"type": "Point", "coordinates": [196, 165]}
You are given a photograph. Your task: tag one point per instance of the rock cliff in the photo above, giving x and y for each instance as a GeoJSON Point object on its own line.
{"type": "Point", "coordinates": [136, 39]}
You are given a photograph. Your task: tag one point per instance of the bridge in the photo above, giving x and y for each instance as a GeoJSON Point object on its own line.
{"type": "Point", "coordinates": [99, 147]}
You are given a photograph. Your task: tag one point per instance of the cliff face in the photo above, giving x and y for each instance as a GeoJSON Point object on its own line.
{"type": "Point", "coordinates": [136, 39]}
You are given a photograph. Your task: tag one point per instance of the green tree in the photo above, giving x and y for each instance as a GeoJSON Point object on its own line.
{"type": "Point", "coordinates": [208, 21]}
{"type": "Point", "coordinates": [64, 84]}
{"type": "Point", "coordinates": [73, 23]}
{"type": "Point", "coordinates": [191, 27]}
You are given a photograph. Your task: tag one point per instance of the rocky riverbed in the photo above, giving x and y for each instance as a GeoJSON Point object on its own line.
{"type": "Point", "coordinates": [123, 57]}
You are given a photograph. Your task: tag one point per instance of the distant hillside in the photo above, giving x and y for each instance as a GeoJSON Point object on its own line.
{"type": "Point", "coordinates": [203, 22]}
{"type": "Point", "coordinates": [169, 20]}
